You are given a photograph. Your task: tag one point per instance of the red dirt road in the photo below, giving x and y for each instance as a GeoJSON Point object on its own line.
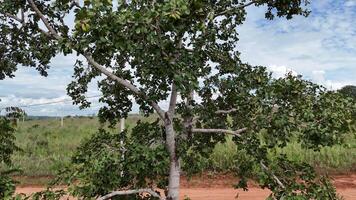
{"type": "Point", "coordinates": [219, 188]}
{"type": "Point", "coordinates": [220, 193]}
{"type": "Point", "coordinates": [252, 194]}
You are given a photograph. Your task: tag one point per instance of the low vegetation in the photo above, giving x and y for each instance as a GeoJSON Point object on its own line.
{"type": "Point", "coordinates": [47, 148]}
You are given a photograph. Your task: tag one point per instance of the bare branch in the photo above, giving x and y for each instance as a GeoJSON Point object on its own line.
{"type": "Point", "coordinates": [188, 121]}
{"type": "Point", "coordinates": [173, 100]}
{"type": "Point", "coordinates": [75, 3]}
{"type": "Point", "coordinates": [226, 131]}
{"type": "Point", "coordinates": [127, 192]}
{"type": "Point", "coordinates": [273, 175]}
{"type": "Point", "coordinates": [247, 4]}
{"type": "Point", "coordinates": [22, 16]}
{"type": "Point", "coordinates": [93, 63]}
{"type": "Point", "coordinates": [44, 19]}
{"type": "Point", "coordinates": [174, 93]}
{"type": "Point", "coordinates": [126, 84]}
{"type": "Point", "coordinates": [236, 8]}
{"type": "Point", "coordinates": [14, 17]}
{"type": "Point", "coordinates": [45, 32]}
{"type": "Point", "coordinates": [226, 111]}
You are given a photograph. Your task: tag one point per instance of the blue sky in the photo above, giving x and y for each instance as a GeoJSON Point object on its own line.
{"type": "Point", "coordinates": [321, 47]}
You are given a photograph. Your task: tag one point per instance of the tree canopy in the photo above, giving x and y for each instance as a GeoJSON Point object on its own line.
{"type": "Point", "coordinates": [184, 52]}
{"type": "Point", "coordinates": [349, 91]}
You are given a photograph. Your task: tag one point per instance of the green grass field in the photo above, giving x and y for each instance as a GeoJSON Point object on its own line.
{"type": "Point", "coordinates": [47, 147]}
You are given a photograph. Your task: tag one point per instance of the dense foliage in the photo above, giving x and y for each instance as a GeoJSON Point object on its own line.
{"type": "Point", "coordinates": [184, 52]}
{"type": "Point", "coordinates": [7, 148]}
{"type": "Point", "coordinates": [107, 161]}
{"type": "Point", "coordinates": [349, 91]}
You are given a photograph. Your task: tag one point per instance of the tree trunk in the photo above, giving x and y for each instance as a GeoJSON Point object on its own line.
{"type": "Point", "coordinates": [174, 171]}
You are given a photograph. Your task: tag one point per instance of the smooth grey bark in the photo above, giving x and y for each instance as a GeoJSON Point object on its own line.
{"type": "Point", "coordinates": [174, 168]}
{"type": "Point", "coordinates": [225, 131]}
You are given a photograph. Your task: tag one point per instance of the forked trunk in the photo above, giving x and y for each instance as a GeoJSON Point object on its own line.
{"type": "Point", "coordinates": [174, 171]}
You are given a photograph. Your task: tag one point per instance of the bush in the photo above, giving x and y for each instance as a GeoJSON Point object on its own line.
{"type": "Point", "coordinates": [108, 162]}
{"type": "Point", "coordinates": [7, 148]}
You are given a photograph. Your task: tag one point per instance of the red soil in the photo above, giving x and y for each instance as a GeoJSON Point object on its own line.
{"type": "Point", "coordinates": [220, 188]}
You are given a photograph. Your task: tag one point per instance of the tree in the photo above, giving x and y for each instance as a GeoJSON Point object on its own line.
{"type": "Point", "coordinates": [349, 91]}
{"type": "Point", "coordinates": [7, 148]}
{"type": "Point", "coordinates": [7, 185]}
{"type": "Point", "coordinates": [177, 51]}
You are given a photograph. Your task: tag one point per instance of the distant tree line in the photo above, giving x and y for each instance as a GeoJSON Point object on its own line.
{"type": "Point", "coordinates": [350, 91]}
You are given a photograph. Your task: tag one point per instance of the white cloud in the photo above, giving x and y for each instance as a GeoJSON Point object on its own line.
{"type": "Point", "coordinates": [60, 106]}
{"type": "Point", "coordinates": [350, 3]}
{"type": "Point", "coordinates": [323, 41]}
{"type": "Point", "coordinates": [318, 76]}
{"type": "Point", "coordinates": [319, 47]}
{"type": "Point", "coordinates": [280, 71]}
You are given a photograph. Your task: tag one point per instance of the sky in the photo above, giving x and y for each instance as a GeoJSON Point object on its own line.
{"type": "Point", "coordinates": [321, 47]}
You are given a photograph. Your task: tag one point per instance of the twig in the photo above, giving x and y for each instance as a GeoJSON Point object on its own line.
{"type": "Point", "coordinates": [226, 131]}
{"type": "Point", "coordinates": [126, 84]}
{"type": "Point", "coordinates": [75, 3]}
{"type": "Point", "coordinates": [14, 17]}
{"type": "Point", "coordinates": [226, 111]}
{"type": "Point", "coordinates": [44, 20]}
{"type": "Point", "coordinates": [273, 175]}
{"type": "Point", "coordinates": [173, 100]}
{"type": "Point", "coordinates": [127, 192]}
{"type": "Point", "coordinates": [236, 8]}
{"type": "Point", "coordinates": [188, 120]}
{"type": "Point", "coordinates": [23, 17]}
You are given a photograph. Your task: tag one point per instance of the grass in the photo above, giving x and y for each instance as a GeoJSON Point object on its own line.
{"type": "Point", "coordinates": [222, 158]}
{"type": "Point", "coordinates": [338, 159]}
{"type": "Point", "coordinates": [47, 147]}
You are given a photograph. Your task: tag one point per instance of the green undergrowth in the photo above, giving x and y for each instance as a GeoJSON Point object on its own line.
{"type": "Point", "coordinates": [339, 159]}
{"type": "Point", "coordinates": [48, 147]}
